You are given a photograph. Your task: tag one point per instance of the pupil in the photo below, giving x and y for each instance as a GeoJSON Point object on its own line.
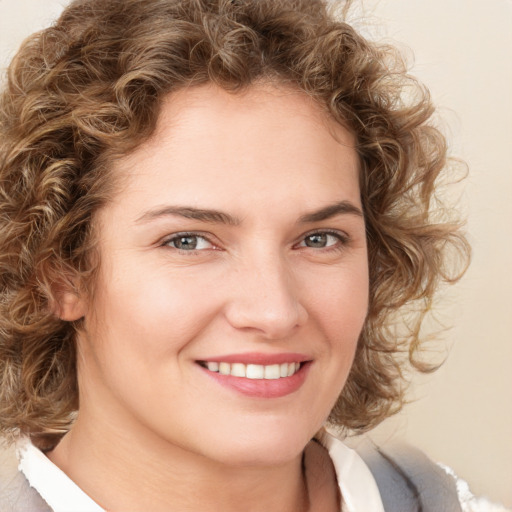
{"type": "Point", "coordinates": [318, 240]}
{"type": "Point", "coordinates": [186, 242]}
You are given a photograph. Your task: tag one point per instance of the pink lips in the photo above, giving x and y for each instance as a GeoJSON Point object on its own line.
{"type": "Point", "coordinates": [261, 388]}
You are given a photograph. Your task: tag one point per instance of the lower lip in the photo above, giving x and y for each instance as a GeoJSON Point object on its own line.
{"type": "Point", "coordinates": [262, 388]}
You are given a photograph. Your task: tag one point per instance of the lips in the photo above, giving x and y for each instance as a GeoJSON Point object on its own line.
{"type": "Point", "coordinates": [258, 375]}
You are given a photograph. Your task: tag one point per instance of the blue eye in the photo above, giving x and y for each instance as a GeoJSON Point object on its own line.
{"type": "Point", "coordinates": [188, 242]}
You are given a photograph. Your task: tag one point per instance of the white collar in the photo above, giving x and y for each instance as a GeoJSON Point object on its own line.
{"type": "Point", "coordinates": [54, 486]}
{"type": "Point", "coordinates": [358, 488]}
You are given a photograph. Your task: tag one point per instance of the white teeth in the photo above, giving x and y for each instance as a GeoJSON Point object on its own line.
{"type": "Point", "coordinates": [238, 370]}
{"type": "Point", "coordinates": [254, 371]}
{"type": "Point", "coordinates": [213, 367]}
{"type": "Point", "coordinates": [272, 371]}
{"type": "Point", "coordinates": [224, 368]}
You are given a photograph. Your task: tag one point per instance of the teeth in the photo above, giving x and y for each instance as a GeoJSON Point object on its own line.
{"type": "Point", "coordinates": [238, 370]}
{"type": "Point", "coordinates": [224, 368]}
{"type": "Point", "coordinates": [272, 371]}
{"type": "Point", "coordinates": [213, 367]}
{"type": "Point", "coordinates": [254, 371]}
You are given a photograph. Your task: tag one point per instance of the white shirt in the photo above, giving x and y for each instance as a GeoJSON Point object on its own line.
{"type": "Point", "coordinates": [357, 486]}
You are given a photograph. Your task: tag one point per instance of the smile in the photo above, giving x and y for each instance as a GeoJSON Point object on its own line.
{"type": "Point", "coordinates": [260, 376]}
{"type": "Point", "coordinates": [253, 371]}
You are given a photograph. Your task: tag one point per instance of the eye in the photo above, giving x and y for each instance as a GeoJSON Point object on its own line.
{"type": "Point", "coordinates": [188, 242]}
{"type": "Point", "coordinates": [323, 240]}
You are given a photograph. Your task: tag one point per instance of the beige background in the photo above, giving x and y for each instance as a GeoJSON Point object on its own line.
{"type": "Point", "coordinates": [463, 51]}
{"type": "Point", "coordinates": [463, 415]}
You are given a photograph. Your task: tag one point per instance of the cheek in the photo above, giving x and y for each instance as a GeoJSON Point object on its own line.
{"type": "Point", "coordinates": [138, 328]}
{"type": "Point", "coordinates": [340, 309]}
{"type": "Point", "coordinates": [153, 305]}
{"type": "Point", "coordinates": [341, 301]}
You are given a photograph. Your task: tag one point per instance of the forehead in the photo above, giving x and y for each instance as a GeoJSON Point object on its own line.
{"type": "Point", "coordinates": [257, 109]}
{"type": "Point", "coordinates": [212, 144]}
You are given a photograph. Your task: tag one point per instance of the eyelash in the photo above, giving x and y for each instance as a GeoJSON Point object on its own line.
{"type": "Point", "coordinates": [177, 236]}
{"type": "Point", "coordinates": [343, 240]}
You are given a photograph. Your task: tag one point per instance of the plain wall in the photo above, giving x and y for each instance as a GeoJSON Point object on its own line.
{"type": "Point", "coordinates": [463, 49]}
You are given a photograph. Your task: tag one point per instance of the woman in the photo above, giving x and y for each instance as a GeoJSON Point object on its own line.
{"type": "Point", "coordinates": [213, 214]}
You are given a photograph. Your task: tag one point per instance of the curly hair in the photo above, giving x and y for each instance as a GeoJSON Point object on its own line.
{"type": "Point", "coordinates": [89, 89]}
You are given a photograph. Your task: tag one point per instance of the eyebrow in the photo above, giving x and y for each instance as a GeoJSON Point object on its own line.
{"type": "Point", "coordinates": [189, 212]}
{"type": "Point", "coordinates": [329, 211]}
{"type": "Point", "coordinates": [216, 216]}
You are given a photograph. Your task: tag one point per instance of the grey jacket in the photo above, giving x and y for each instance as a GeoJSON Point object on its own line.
{"type": "Point", "coordinates": [409, 481]}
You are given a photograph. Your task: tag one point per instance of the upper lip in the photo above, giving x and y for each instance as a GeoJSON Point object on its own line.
{"type": "Point", "coordinates": [259, 358]}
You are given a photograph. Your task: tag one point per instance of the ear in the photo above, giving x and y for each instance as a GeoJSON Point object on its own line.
{"type": "Point", "coordinates": [69, 306]}
{"type": "Point", "coordinates": [68, 301]}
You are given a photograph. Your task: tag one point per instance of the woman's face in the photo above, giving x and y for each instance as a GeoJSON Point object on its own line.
{"type": "Point", "coordinates": [235, 246]}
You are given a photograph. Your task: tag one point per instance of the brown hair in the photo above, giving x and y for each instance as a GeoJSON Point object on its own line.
{"type": "Point", "coordinates": [89, 88]}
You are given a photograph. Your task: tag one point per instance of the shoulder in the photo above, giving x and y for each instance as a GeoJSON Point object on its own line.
{"type": "Point", "coordinates": [408, 480]}
{"type": "Point", "coordinates": [16, 495]}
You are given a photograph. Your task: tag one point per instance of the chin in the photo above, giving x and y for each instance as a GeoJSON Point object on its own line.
{"type": "Point", "coordinates": [262, 447]}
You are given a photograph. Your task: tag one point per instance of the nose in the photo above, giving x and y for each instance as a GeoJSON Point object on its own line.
{"type": "Point", "coordinates": [265, 299]}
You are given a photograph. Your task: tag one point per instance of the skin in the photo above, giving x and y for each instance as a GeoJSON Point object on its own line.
{"type": "Point", "coordinates": [150, 417]}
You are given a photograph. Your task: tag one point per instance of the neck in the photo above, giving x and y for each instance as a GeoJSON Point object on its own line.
{"type": "Point", "coordinates": [138, 471]}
